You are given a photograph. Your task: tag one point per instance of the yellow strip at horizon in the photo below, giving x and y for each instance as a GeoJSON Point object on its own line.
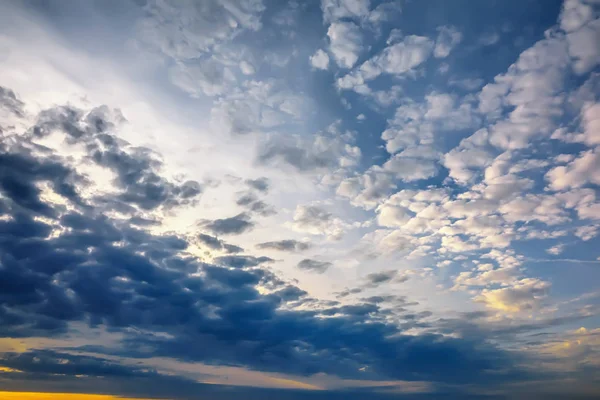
{"type": "Point", "coordinates": [65, 396]}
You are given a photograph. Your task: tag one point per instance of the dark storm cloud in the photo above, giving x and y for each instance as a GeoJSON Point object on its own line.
{"type": "Point", "coordinates": [215, 243]}
{"type": "Point", "coordinates": [136, 168]}
{"type": "Point", "coordinates": [50, 371]}
{"type": "Point", "coordinates": [290, 293]}
{"type": "Point", "coordinates": [284, 245]}
{"type": "Point", "coordinates": [260, 184]}
{"type": "Point", "coordinates": [230, 226]}
{"type": "Point", "coordinates": [142, 185]}
{"type": "Point", "coordinates": [314, 265]}
{"type": "Point", "coordinates": [20, 171]}
{"type": "Point", "coordinates": [108, 272]}
{"type": "Point", "coordinates": [51, 362]}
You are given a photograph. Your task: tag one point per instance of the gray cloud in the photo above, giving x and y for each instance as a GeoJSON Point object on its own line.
{"type": "Point", "coordinates": [374, 280]}
{"type": "Point", "coordinates": [303, 159]}
{"type": "Point", "coordinates": [314, 265]}
{"type": "Point", "coordinates": [378, 278]}
{"type": "Point", "coordinates": [230, 226]}
{"type": "Point", "coordinates": [285, 245]}
{"type": "Point", "coordinates": [348, 292]}
{"type": "Point", "coordinates": [242, 261]}
{"type": "Point", "coordinates": [195, 27]}
{"type": "Point", "coordinates": [260, 184]}
{"type": "Point", "coordinates": [137, 169]}
{"type": "Point", "coordinates": [215, 243]}
{"type": "Point", "coordinates": [10, 102]}
{"type": "Point", "coordinates": [255, 205]}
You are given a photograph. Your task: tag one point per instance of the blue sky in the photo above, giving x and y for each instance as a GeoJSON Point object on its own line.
{"type": "Point", "coordinates": [300, 199]}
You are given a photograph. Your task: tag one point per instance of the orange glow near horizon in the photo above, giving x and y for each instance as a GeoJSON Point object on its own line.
{"type": "Point", "coordinates": [54, 396]}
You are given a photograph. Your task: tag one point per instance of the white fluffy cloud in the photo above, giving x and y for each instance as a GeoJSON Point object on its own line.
{"type": "Point", "coordinates": [396, 59]}
{"type": "Point", "coordinates": [334, 10]}
{"type": "Point", "coordinates": [345, 43]}
{"type": "Point", "coordinates": [319, 60]}
{"type": "Point", "coordinates": [577, 19]}
{"type": "Point", "coordinates": [526, 295]}
{"type": "Point", "coordinates": [416, 124]}
{"type": "Point", "coordinates": [584, 169]}
{"type": "Point", "coordinates": [400, 57]}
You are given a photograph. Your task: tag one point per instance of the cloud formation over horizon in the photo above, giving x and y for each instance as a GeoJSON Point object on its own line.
{"type": "Point", "coordinates": [346, 199]}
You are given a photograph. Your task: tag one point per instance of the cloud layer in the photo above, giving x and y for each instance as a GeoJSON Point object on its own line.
{"type": "Point", "coordinates": [346, 199]}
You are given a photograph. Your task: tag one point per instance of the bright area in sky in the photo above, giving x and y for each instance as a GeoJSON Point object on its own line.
{"type": "Point", "coordinates": [335, 199]}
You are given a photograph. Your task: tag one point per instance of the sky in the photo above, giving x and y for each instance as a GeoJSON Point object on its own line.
{"type": "Point", "coordinates": [299, 199]}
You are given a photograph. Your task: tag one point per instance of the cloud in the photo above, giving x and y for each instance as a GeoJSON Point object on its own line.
{"type": "Point", "coordinates": [577, 19]}
{"type": "Point", "coordinates": [285, 245]}
{"type": "Point", "coordinates": [464, 171]}
{"type": "Point", "coordinates": [368, 189]}
{"type": "Point", "coordinates": [415, 124]}
{"type": "Point", "coordinates": [523, 296]}
{"type": "Point", "coordinates": [412, 165]}
{"type": "Point", "coordinates": [241, 261]}
{"type": "Point", "coordinates": [316, 220]}
{"type": "Point", "coordinates": [50, 362]}
{"type": "Point", "coordinates": [448, 38]}
{"type": "Point", "coordinates": [345, 43]}
{"type": "Point", "coordinates": [185, 31]}
{"type": "Point", "coordinates": [19, 173]}
{"type": "Point", "coordinates": [322, 152]}
{"type": "Point", "coordinates": [409, 137]}
{"type": "Point", "coordinates": [589, 126]}
{"type": "Point", "coordinates": [9, 102]}
{"type": "Point", "coordinates": [230, 226]}
{"type": "Point", "coordinates": [395, 59]}
{"type": "Point", "coordinates": [136, 169]}
{"type": "Point", "coordinates": [260, 184]}
{"type": "Point", "coordinates": [489, 38]}
{"type": "Point", "coordinates": [320, 60]}
{"type": "Point", "coordinates": [193, 38]}
{"type": "Point", "coordinates": [314, 265]}
{"type": "Point", "coordinates": [258, 106]}
{"type": "Point", "coordinates": [334, 10]}
{"type": "Point", "coordinates": [378, 278]}
{"type": "Point", "coordinates": [384, 12]}
{"type": "Point", "coordinates": [255, 205]}
{"type": "Point", "coordinates": [530, 94]}
{"type": "Point", "coordinates": [584, 169]}
{"type": "Point", "coordinates": [215, 243]}
{"type": "Point", "coordinates": [103, 270]}
{"type": "Point", "coordinates": [209, 77]}
{"type": "Point", "coordinates": [348, 292]}
{"type": "Point", "coordinates": [556, 250]}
